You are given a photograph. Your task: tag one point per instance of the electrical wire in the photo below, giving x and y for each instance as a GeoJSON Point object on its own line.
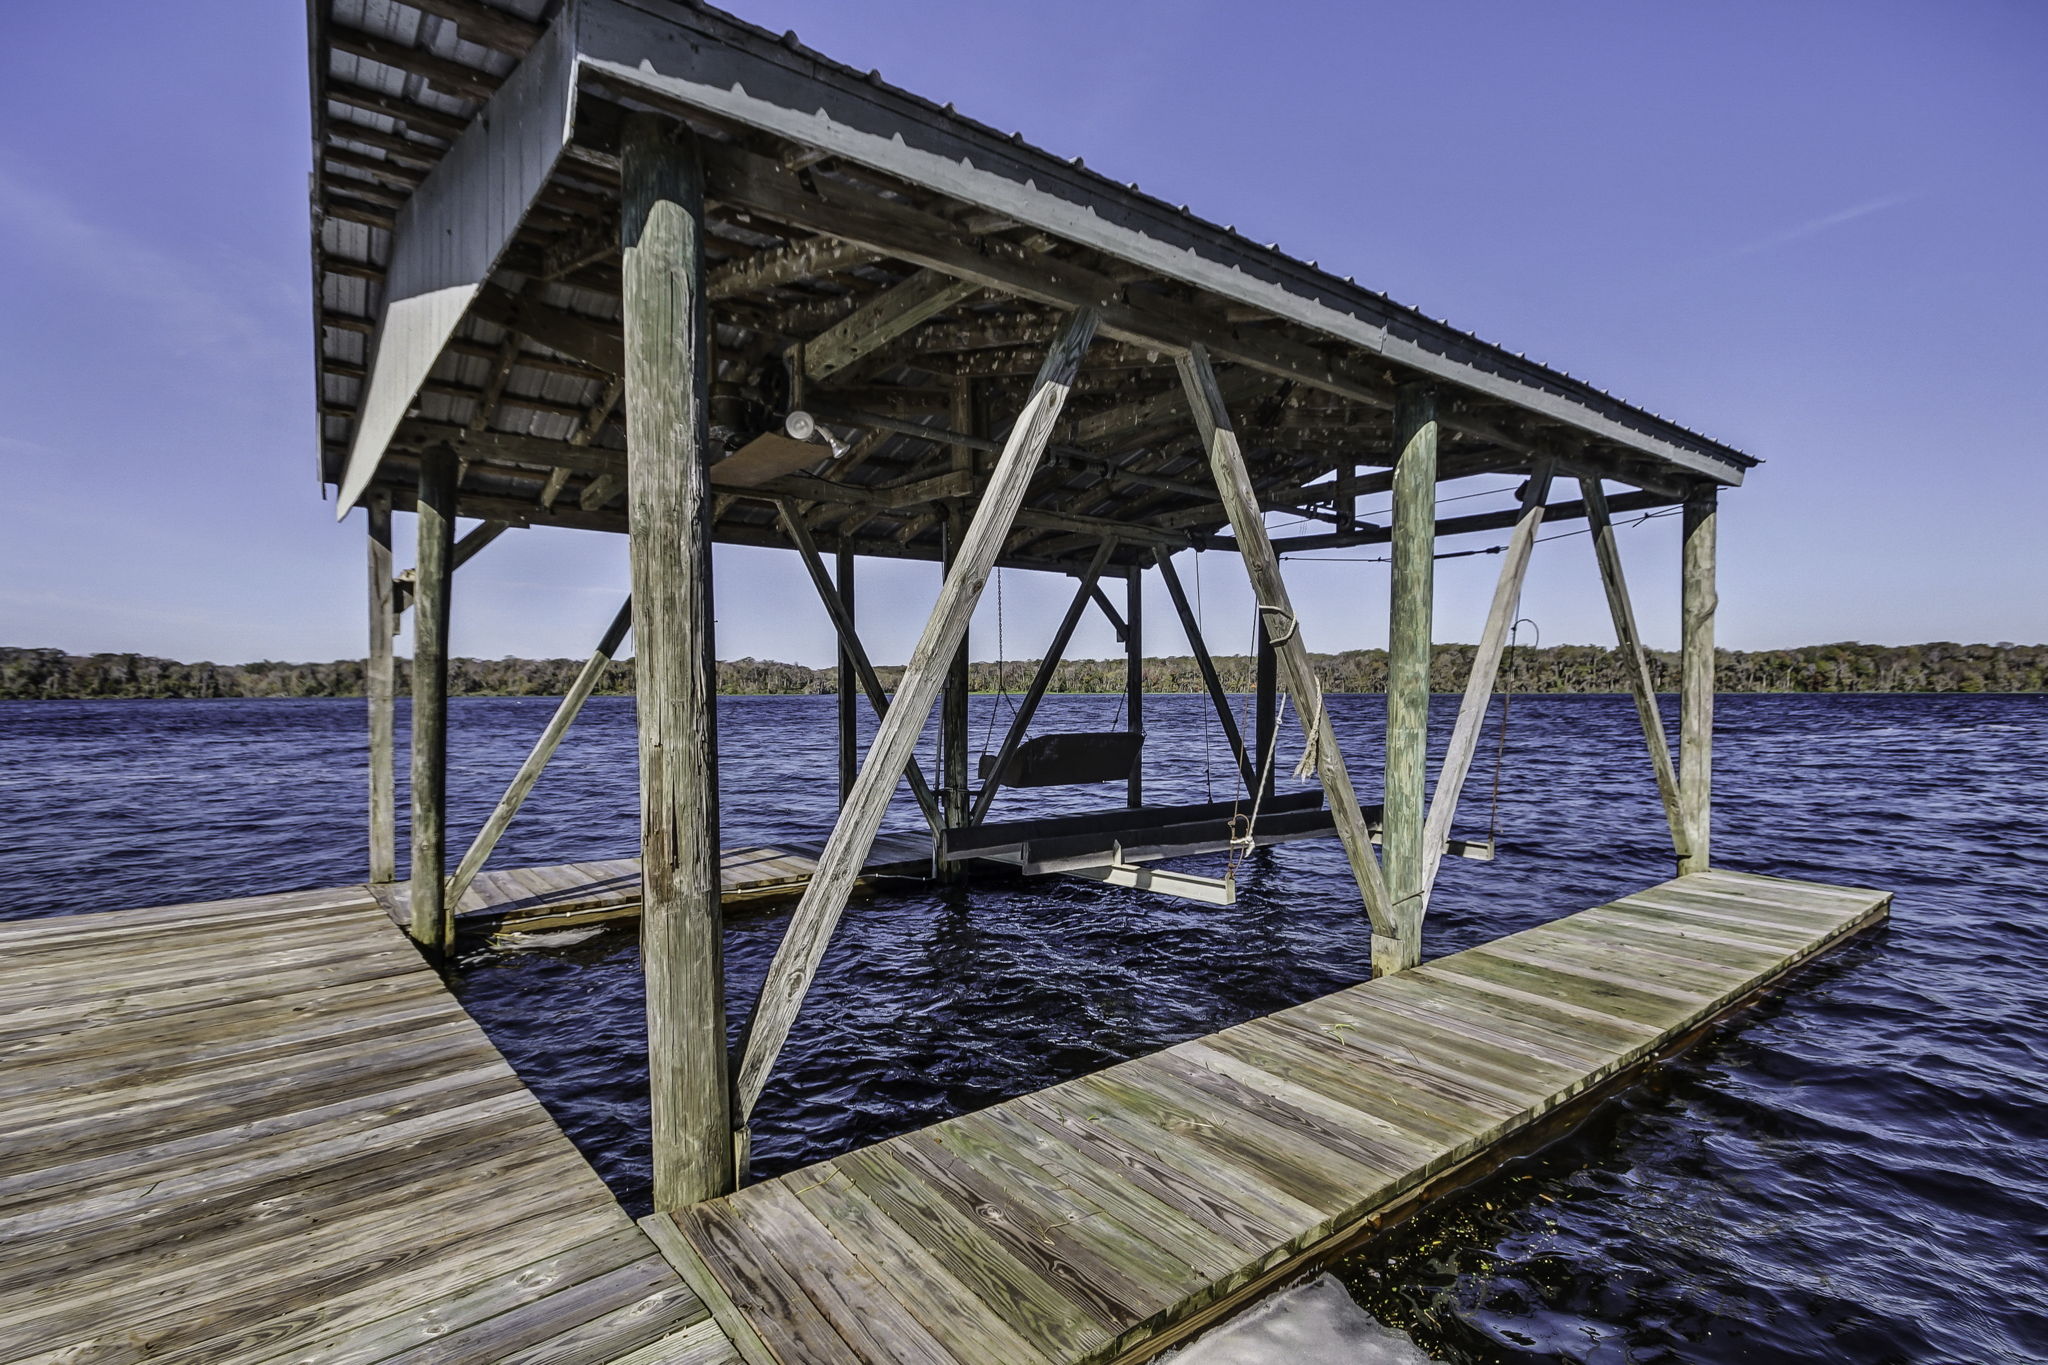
{"type": "Point", "coordinates": [1305, 555]}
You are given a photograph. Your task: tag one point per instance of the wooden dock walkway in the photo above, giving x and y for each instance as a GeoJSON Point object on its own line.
{"type": "Point", "coordinates": [528, 899]}
{"type": "Point", "coordinates": [1102, 1218]}
{"type": "Point", "coordinates": [262, 1130]}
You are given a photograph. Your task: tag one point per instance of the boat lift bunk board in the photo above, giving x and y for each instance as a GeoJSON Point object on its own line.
{"type": "Point", "coordinates": [1107, 845]}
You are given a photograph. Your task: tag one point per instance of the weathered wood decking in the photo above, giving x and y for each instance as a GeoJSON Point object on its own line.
{"type": "Point", "coordinates": [262, 1130]}
{"type": "Point", "coordinates": [523, 899]}
{"type": "Point", "coordinates": [1094, 1220]}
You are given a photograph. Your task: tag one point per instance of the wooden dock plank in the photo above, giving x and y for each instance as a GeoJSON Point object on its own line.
{"type": "Point", "coordinates": [262, 1130]}
{"type": "Point", "coordinates": [1098, 1218]}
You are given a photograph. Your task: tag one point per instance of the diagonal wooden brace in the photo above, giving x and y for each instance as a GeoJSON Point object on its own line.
{"type": "Point", "coordinates": [1500, 620]}
{"type": "Point", "coordinates": [860, 818]}
{"type": "Point", "coordinates": [1234, 484]}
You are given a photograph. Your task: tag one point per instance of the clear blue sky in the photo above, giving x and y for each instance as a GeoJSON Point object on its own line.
{"type": "Point", "coordinates": [1814, 230]}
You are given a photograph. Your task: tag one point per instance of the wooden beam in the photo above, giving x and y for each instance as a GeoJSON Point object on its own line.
{"type": "Point", "coordinates": [1134, 676]}
{"type": "Point", "coordinates": [1698, 601]}
{"type": "Point", "coordinates": [587, 679]}
{"type": "Point", "coordinates": [1040, 680]}
{"type": "Point", "coordinates": [1233, 482]}
{"type": "Point", "coordinates": [850, 647]}
{"type": "Point", "coordinates": [896, 310]}
{"type": "Point", "coordinates": [953, 697]}
{"type": "Point", "coordinates": [1641, 685]}
{"type": "Point", "coordinates": [1111, 614]}
{"type": "Point", "coordinates": [432, 926]}
{"type": "Point", "coordinates": [778, 266]}
{"type": "Point", "coordinates": [853, 836]}
{"type": "Point", "coordinates": [1493, 639]}
{"type": "Point", "coordinates": [666, 326]}
{"type": "Point", "coordinates": [468, 547]}
{"type": "Point", "coordinates": [1409, 630]}
{"type": "Point", "coordinates": [1205, 664]}
{"type": "Point", "coordinates": [380, 686]}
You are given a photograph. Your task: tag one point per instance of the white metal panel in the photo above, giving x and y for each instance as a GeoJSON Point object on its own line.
{"type": "Point", "coordinates": [452, 231]}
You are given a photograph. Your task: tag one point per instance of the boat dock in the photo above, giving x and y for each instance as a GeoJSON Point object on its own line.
{"type": "Point", "coordinates": [569, 895]}
{"type": "Point", "coordinates": [262, 1130]}
{"type": "Point", "coordinates": [1105, 1218]}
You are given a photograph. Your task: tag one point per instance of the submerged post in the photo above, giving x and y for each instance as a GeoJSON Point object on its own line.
{"type": "Point", "coordinates": [1408, 647]}
{"type": "Point", "coordinates": [1134, 677]}
{"type": "Point", "coordinates": [380, 676]}
{"type": "Point", "coordinates": [953, 740]}
{"type": "Point", "coordinates": [432, 926]}
{"type": "Point", "coordinates": [849, 682]}
{"type": "Point", "coordinates": [1698, 600]}
{"type": "Point", "coordinates": [661, 236]}
{"type": "Point", "coordinates": [953, 728]}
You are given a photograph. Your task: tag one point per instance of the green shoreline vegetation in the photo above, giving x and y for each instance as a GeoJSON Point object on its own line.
{"type": "Point", "coordinates": [51, 674]}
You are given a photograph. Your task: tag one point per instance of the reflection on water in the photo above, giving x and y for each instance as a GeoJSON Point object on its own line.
{"type": "Point", "coordinates": [1857, 1172]}
{"type": "Point", "coordinates": [1310, 1324]}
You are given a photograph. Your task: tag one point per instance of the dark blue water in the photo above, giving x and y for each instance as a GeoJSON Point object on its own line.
{"type": "Point", "coordinates": [1857, 1172]}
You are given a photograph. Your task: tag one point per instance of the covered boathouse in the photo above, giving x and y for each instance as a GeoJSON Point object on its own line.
{"type": "Point", "coordinates": [635, 266]}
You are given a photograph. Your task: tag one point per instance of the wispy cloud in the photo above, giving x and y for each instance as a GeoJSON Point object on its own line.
{"type": "Point", "coordinates": [1813, 227]}
{"type": "Point", "coordinates": [195, 313]}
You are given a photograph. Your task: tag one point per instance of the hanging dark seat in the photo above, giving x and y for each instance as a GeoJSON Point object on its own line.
{"type": "Point", "coordinates": [1069, 758]}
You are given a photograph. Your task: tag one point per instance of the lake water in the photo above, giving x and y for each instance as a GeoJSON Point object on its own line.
{"type": "Point", "coordinates": [1856, 1172]}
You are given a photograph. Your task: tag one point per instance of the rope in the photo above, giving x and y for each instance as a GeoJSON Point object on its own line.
{"type": "Point", "coordinates": [1242, 844]}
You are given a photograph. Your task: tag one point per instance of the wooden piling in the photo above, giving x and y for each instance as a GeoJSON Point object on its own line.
{"type": "Point", "coordinates": [1206, 666]}
{"type": "Point", "coordinates": [661, 236]}
{"type": "Point", "coordinates": [1134, 676]}
{"type": "Point", "coordinates": [380, 674]}
{"type": "Point", "coordinates": [953, 728]}
{"type": "Point", "coordinates": [849, 683]}
{"type": "Point", "coordinates": [432, 924]}
{"type": "Point", "coordinates": [1698, 600]}
{"type": "Point", "coordinates": [1408, 649]}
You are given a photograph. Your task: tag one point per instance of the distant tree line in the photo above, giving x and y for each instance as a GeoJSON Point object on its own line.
{"type": "Point", "coordinates": [51, 673]}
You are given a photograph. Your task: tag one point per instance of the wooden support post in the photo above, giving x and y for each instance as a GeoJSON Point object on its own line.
{"type": "Point", "coordinates": [1641, 685]}
{"type": "Point", "coordinates": [1408, 651]}
{"type": "Point", "coordinates": [853, 837]}
{"type": "Point", "coordinates": [1493, 639]}
{"type": "Point", "coordinates": [1699, 599]}
{"type": "Point", "coordinates": [1027, 706]}
{"type": "Point", "coordinates": [855, 653]}
{"type": "Point", "coordinates": [953, 731]}
{"type": "Point", "coordinates": [1265, 703]}
{"type": "Point", "coordinates": [1205, 664]}
{"type": "Point", "coordinates": [666, 327]}
{"type": "Point", "coordinates": [433, 928]}
{"type": "Point", "coordinates": [1134, 677]}
{"type": "Point", "coordinates": [380, 674]}
{"type": "Point", "coordinates": [536, 762]}
{"type": "Point", "coordinates": [1234, 485]}
{"type": "Point", "coordinates": [849, 705]}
